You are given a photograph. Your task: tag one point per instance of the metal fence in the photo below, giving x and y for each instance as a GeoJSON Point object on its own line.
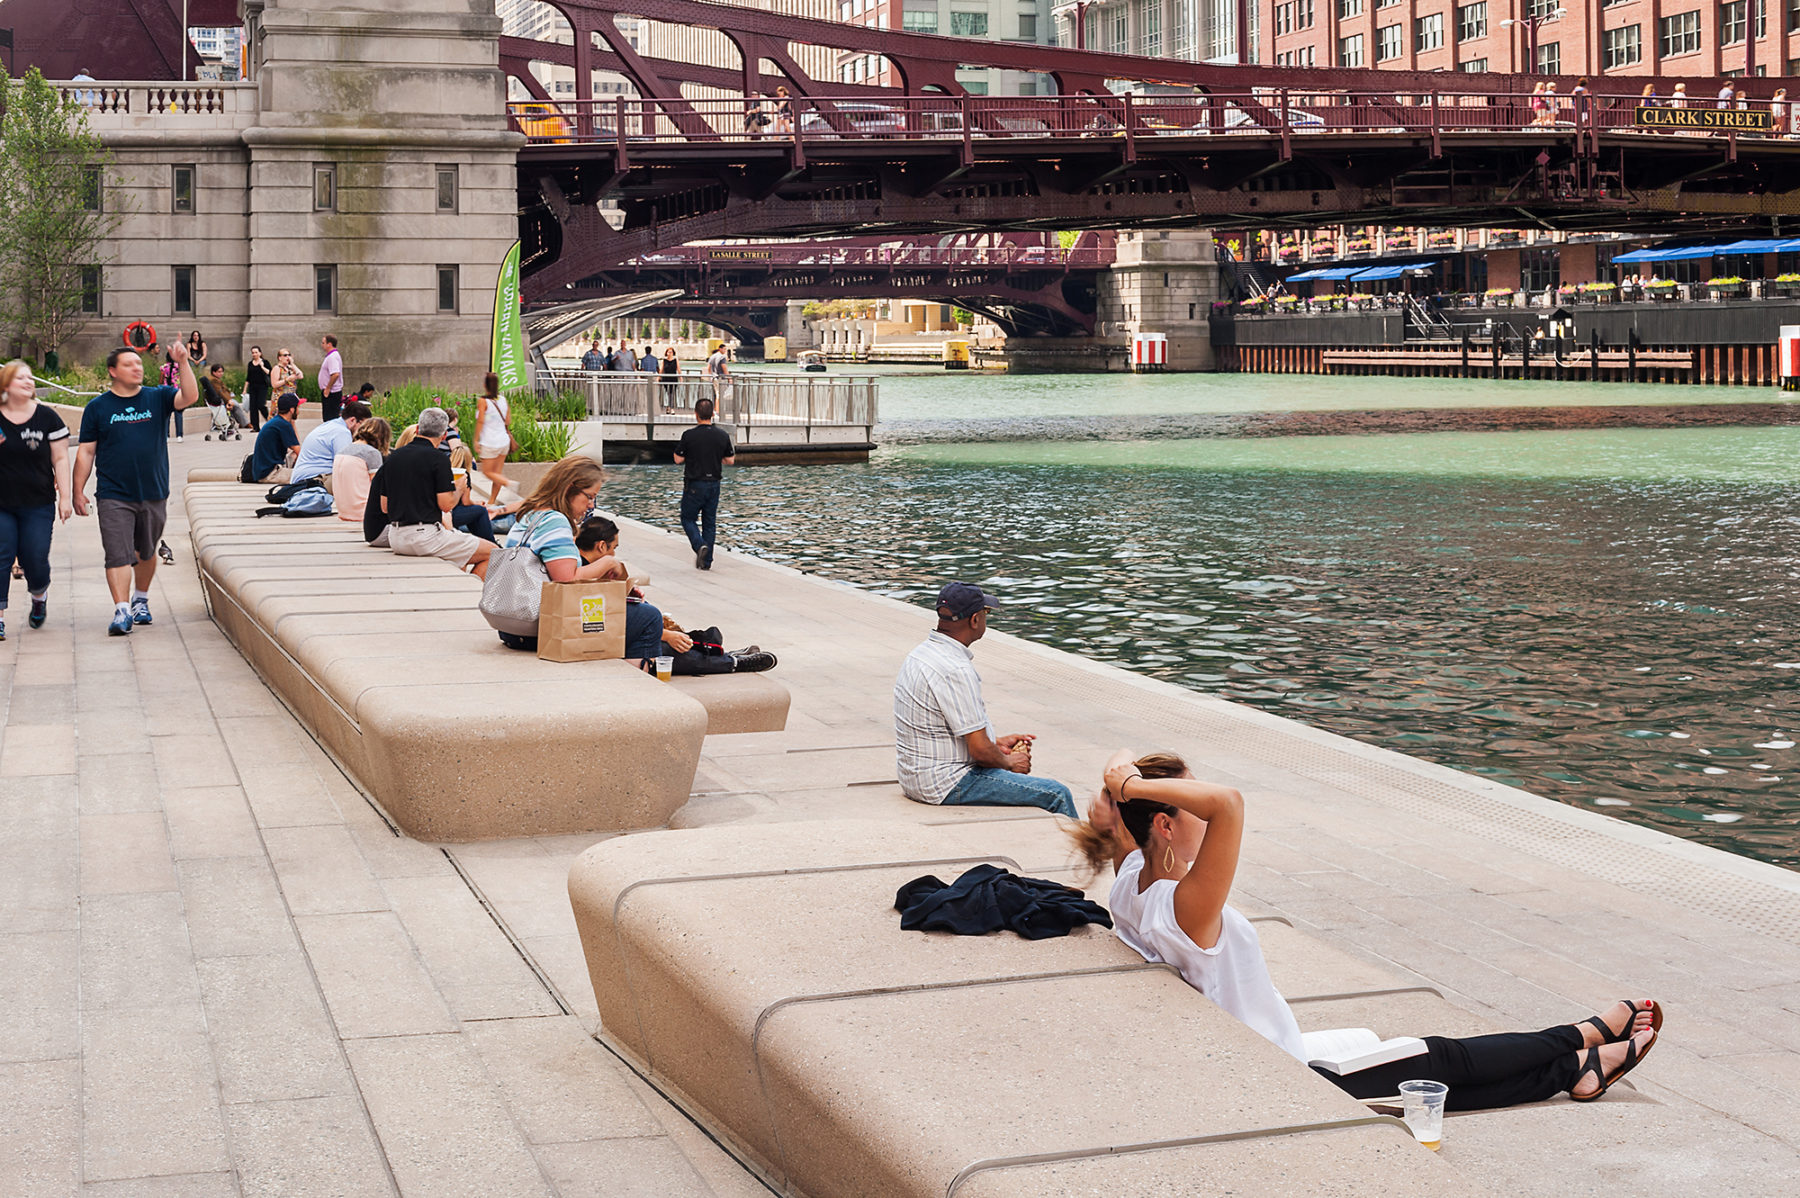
{"type": "Point", "coordinates": [744, 399]}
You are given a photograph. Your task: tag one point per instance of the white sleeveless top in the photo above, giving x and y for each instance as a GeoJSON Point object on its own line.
{"type": "Point", "coordinates": [492, 434]}
{"type": "Point", "coordinates": [1231, 973]}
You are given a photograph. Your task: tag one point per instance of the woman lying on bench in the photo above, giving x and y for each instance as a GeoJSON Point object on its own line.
{"type": "Point", "coordinates": [1174, 843]}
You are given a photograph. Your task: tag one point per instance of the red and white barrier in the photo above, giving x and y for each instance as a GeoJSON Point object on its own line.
{"type": "Point", "coordinates": [1149, 351]}
{"type": "Point", "coordinates": [1788, 364]}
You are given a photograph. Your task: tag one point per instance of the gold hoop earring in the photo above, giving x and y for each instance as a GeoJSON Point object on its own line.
{"type": "Point", "coordinates": [1168, 858]}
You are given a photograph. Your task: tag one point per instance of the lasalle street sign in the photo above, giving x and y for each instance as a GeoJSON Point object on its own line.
{"type": "Point", "coordinates": [1717, 120]}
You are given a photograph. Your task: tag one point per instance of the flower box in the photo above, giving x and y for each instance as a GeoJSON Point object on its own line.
{"type": "Point", "coordinates": [1662, 291]}
{"type": "Point", "coordinates": [1785, 288]}
{"type": "Point", "coordinates": [1729, 288]}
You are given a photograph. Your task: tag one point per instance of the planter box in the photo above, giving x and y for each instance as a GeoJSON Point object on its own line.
{"type": "Point", "coordinates": [1783, 290]}
{"type": "Point", "coordinates": [1662, 295]}
{"type": "Point", "coordinates": [1728, 292]}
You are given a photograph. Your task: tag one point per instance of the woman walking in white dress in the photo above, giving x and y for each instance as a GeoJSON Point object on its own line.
{"type": "Point", "coordinates": [493, 434]}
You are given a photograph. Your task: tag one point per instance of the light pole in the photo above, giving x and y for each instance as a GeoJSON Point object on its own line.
{"type": "Point", "coordinates": [1531, 24]}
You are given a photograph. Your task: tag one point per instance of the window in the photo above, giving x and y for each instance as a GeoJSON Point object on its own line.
{"type": "Point", "coordinates": [975, 87]}
{"type": "Point", "coordinates": [1543, 8]}
{"type": "Point", "coordinates": [1386, 3]}
{"type": "Point", "coordinates": [446, 188]}
{"type": "Point", "coordinates": [1348, 9]}
{"type": "Point", "coordinates": [1679, 34]}
{"type": "Point", "coordinates": [1428, 33]}
{"type": "Point", "coordinates": [915, 20]}
{"type": "Point", "coordinates": [1471, 21]}
{"type": "Point", "coordinates": [1301, 57]}
{"type": "Point", "coordinates": [1028, 25]}
{"type": "Point", "coordinates": [1350, 50]}
{"type": "Point", "coordinates": [1732, 18]}
{"type": "Point", "coordinates": [1621, 47]}
{"type": "Point", "coordinates": [90, 290]}
{"type": "Point", "coordinates": [1474, 66]}
{"type": "Point", "coordinates": [324, 289]}
{"type": "Point", "coordinates": [324, 188]}
{"type": "Point", "coordinates": [968, 24]}
{"type": "Point", "coordinates": [447, 289]}
{"type": "Point", "coordinates": [1119, 31]}
{"type": "Point", "coordinates": [1549, 59]}
{"type": "Point", "coordinates": [184, 291]}
{"type": "Point", "coordinates": [1540, 269]}
{"type": "Point", "coordinates": [181, 190]}
{"type": "Point", "coordinates": [93, 189]}
{"type": "Point", "coordinates": [1150, 26]}
{"type": "Point", "coordinates": [1387, 43]}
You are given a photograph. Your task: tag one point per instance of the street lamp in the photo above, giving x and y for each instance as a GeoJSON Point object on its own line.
{"type": "Point", "coordinates": [1532, 23]}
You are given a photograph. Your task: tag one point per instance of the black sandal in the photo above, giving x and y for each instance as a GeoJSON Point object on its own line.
{"type": "Point", "coordinates": [1591, 1064]}
{"type": "Point", "coordinates": [1608, 1036]}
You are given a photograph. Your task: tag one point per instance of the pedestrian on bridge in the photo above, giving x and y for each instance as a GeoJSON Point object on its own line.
{"type": "Point", "coordinates": [718, 374]}
{"type": "Point", "coordinates": [670, 375]}
{"type": "Point", "coordinates": [593, 361]}
{"type": "Point", "coordinates": [703, 453]}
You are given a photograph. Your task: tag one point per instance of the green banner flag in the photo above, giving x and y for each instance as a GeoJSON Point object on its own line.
{"type": "Point", "coordinates": [507, 357]}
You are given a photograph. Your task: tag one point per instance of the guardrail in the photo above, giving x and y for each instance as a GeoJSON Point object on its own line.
{"type": "Point", "coordinates": [744, 399]}
{"type": "Point", "coordinates": [814, 254]}
{"type": "Point", "coordinates": [1275, 112]}
{"type": "Point", "coordinates": [164, 99]}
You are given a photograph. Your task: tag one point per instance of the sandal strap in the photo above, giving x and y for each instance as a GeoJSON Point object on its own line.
{"type": "Point", "coordinates": [1607, 1035]}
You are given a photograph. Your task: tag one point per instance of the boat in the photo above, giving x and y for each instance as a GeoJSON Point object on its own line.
{"type": "Point", "coordinates": [811, 361]}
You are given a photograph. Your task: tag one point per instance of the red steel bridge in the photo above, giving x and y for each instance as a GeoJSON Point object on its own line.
{"type": "Point", "coordinates": [1028, 284]}
{"type": "Point", "coordinates": [1127, 142]}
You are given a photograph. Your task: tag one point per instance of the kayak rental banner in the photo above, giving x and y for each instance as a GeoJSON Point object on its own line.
{"type": "Point", "coordinates": [507, 357]}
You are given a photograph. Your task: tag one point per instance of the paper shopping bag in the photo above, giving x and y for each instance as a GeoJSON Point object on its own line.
{"type": "Point", "coordinates": [582, 621]}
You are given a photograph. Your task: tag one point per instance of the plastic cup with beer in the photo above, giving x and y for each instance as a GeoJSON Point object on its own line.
{"type": "Point", "coordinates": [665, 668]}
{"type": "Point", "coordinates": [1422, 1107]}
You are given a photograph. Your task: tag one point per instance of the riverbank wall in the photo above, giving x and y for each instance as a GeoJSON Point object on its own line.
{"type": "Point", "coordinates": [1726, 343]}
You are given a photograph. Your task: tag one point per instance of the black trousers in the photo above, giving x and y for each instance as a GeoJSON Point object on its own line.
{"type": "Point", "coordinates": [1483, 1072]}
{"type": "Point", "coordinates": [331, 406]}
{"type": "Point", "coordinates": [259, 409]}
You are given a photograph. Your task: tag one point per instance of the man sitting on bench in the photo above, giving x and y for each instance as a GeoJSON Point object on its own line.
{"type": "Point", "coordinates": [944, 747]}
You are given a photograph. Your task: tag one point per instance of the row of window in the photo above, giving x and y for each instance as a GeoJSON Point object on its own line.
{"type": "Point", "coordinates": [1292, 17]}
{"type": "Point", "coordinates": [324, 289]}
{"type": "Point", "coordinates": [184, 188]}
{"type": "Point", "coordinates": [1679, 34]}
{"type": "Point", "coordinates": [963, 24]}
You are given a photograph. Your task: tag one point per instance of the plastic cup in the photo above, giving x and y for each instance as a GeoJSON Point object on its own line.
{"type": "Point", "coordinates": [665, 669]}
{"type": "Point", "coordinates": [1422, 1107]}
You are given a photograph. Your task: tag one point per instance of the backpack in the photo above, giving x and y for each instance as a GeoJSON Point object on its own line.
{"type": "Point", "coordinates": [282, 492]}
{"type": "Point", "coordinates": [244, 475]}
{"type": "Point", "coordinates": [313, 501]}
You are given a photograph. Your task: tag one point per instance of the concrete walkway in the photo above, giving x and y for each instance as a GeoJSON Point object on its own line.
{"type": "Point", "coordinates": [222, 972]}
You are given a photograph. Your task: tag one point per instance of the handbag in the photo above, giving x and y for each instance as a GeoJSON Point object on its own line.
{"type": "Point", "coordinates": [512, 594]}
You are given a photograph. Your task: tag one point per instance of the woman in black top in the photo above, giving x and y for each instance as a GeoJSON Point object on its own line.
{"type": "Point", "coordinates": [257, 385]}
{"type": "Point", "coordinates": [670, 374]}
{"type": "Point", "coordinates": [34, 486]}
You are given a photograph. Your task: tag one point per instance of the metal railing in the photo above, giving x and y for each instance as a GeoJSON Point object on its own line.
{"type": "Point", "coordinates": [1286, 113]}
{"type": "Point", "coordinates": [817, 254]}
{"type": "Point", "coordinates": [744, 398]}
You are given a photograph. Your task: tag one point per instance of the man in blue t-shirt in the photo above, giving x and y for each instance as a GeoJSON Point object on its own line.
{"type": "Point", "coordinates": [276, 444]}
{"type": "Point", "coordinates": [122, 447]}
{"type": "Point", "coordinates": [324, 443]}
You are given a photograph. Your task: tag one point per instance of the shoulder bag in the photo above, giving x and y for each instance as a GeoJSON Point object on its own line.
{"type": "Point", "coordinates": [513, 592]}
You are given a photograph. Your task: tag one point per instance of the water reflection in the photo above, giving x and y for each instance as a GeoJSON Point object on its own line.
{"type": "Point", "coordinates": [1621, 643]}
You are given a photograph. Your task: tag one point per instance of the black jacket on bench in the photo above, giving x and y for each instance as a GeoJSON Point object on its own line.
{"type": "Point", "coordinates": [988, 899]}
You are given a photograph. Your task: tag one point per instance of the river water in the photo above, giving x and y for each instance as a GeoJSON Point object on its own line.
{"type": "Point", "coordinates": [1604, 616]}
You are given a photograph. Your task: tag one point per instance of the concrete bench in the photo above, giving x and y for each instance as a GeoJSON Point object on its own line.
{"type": "Point", "coordinates": [758, 973]}
{"type": "Point", "coordinates": [390, 665]}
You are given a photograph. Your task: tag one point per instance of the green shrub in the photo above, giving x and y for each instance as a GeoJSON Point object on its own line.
{"type": "Point", "coordinates": [540, 424]}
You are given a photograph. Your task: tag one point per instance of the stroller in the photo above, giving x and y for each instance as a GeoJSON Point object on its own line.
{"type": "Point", "coordinates": [224, 426]}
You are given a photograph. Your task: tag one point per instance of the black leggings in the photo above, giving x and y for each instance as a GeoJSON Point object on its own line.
{"type": "Point", "coordinates": [1483, 1072]}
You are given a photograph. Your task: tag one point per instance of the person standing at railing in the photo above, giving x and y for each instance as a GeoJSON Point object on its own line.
{"type": "Point", "coordinates": [593, 361]}
{"type": "Point", "coordinates": [718, 374]}
{"type": "Point", "coordinates": [1778, 114]}
{"type": "Point", "coordinates": [670, 376]}
{"type": "Point", "coordinates": [87, 97]}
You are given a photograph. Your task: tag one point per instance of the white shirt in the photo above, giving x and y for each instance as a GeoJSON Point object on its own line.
{"type": "Point", "coordinates": [716, 363]}
{"type": "Point", "coordinates": [320, 447]}
{"type": "Point", "coordinates": [937, 702]}
{"type": "Point", "coordinates": [333, 364]}
{"type": "Point", "coordinates": [1232, 972]}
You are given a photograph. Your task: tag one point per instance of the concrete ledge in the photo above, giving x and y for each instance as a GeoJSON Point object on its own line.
{"type": "Point", "coordinates": [392, 668]}
{"type": "Point", "coordinates": [202, 474]}
{"type": "Point", "coordinates": [840, 1055]}
{"type": "Point", "coordinates": [738, 702]}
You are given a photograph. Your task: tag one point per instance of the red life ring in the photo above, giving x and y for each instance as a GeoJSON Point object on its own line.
{"type": "Point", "coordinates": [140, 335]}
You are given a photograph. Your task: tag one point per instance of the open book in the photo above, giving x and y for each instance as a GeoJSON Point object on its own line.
{"type": "Point", "coordinates": [1353, 1049]}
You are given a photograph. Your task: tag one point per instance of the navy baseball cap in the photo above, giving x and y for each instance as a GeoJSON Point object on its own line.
{"type": "Point", "coordinates": [960, 600]}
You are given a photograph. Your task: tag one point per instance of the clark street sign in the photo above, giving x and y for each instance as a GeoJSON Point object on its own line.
{"type": "Point", "coordinates": [1706, 120]}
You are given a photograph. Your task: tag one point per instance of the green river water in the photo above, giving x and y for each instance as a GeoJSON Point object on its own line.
{"type": "Point", "coordinates": [1600, 615]}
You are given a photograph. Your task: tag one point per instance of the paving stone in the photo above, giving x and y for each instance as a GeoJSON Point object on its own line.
{"type": "Point", "coordinates": [321, 872]}
{"type": "Point", "coordinates": [134, 952]}
{"type": "Point", "coordinates": [29, 749]}
{"type": "Point", "coordinates": [39, 883]}
{"type": "Point", "coordinates": [271, 1036]}
{"type": "Point", "coordinates": [114, 783]}
{"type": "Point", "coordinates": [648, 1168]}
{"type": "Point", "coordinates": [370, 973]}
{"type": "Point", "coordinates": [44, 807]}
{"type": "Point", "coordinates": [444, 1130]}
{"type": "Point", "coordinates": [559, 1084]}
{"type": "Point", "coordinates": [127, 853]}
{"type": "Point", "coordinates": [39, 987]}
{"type": "Point", "coordinates": [285, 796]}
{"type": "Point", "coordinates": [54, 703]}
{"type": "Point", "coordinates": [307, 1148]}
{"type": "Point", "coordinates": [190, 759]}
{"type": "Point", "coordinates": [234, 907]}
{"type": "Point", "coordinates": [40, 1128]}
{"type": "Point", "coordinates": [210, 821]}
{"type": "Point", "coordinates": [187, 1185]}
{"type": "Point", "coordinates": [149, 1104]}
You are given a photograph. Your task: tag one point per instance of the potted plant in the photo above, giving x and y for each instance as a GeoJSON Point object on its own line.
{"type": "Point", "coordinates": [1287, 303]}
{"type": "Point", "coordinates": [1360, 300]}
{"type": "Point", "coordinates": [1727, 287]}
{"type": "Point", "coordinates": [1662, 290]}
{"type": "Point", "coordinates": [1255, 304]}
{"type": "Point", "coordinates": [1597, 293]}
{"type": "Point", "coordinates": [1441, 237]}
{"type": "Point", "coordinates": [1324, 249]}
{"type": "Point", "coordinates": [1359, 245]}
{"type": "Point", "coordinates": [1500, 297]}
{"type": "Point", "coordinates": [1786, 285]}
{"type": "Point", "coordinates": [1289, 253]}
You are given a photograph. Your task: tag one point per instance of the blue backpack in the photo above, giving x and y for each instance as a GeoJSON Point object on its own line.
{"type": "Point", "coordinates": [313, 501]}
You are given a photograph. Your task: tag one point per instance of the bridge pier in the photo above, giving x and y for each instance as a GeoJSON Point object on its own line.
{"type": "Point", "coordinates": [1163, 281]}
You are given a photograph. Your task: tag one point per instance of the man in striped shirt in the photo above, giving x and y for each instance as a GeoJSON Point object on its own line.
{"type": "Point", "coordinates": [945, 749]}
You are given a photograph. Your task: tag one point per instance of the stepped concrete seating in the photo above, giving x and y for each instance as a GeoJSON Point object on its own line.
{"type": "Point", "coordinates": [759, 975]}
{"type": "Point", "coordinates": [388, 662]}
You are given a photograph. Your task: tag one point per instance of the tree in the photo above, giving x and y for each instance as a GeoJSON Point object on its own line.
{"type": "Point", "coordinates": [53, 222]}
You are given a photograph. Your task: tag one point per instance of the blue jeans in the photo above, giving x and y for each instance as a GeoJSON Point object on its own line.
{"type": "Point", "coordinates": [700, 513]}
{"type": "Point", "coordinates": [983, 787]}
{"type": "Point", "coordinates": [643, 634]}
{"type": "Point", "coordinates": [25, 534]}
{"type": "Point", "coordinates": [473, 518]}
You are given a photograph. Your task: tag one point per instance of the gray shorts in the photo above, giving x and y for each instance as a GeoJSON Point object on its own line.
{"type": "Point", "coordinates": [129, 531]}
